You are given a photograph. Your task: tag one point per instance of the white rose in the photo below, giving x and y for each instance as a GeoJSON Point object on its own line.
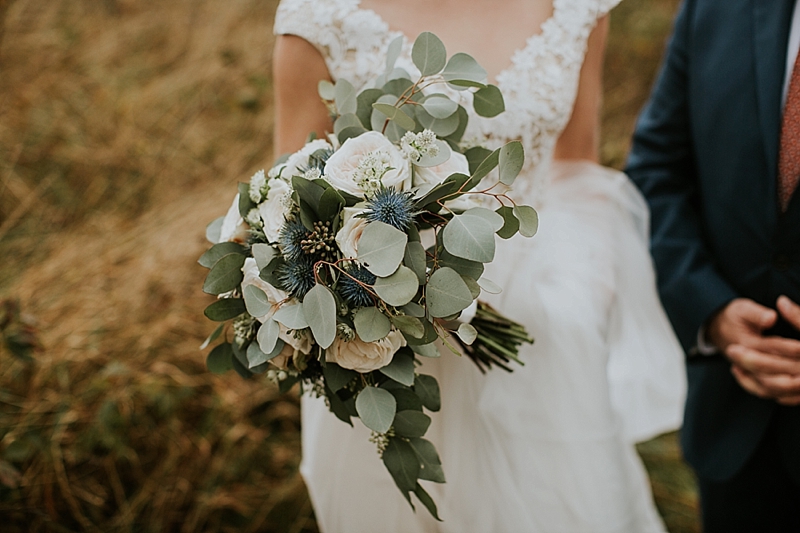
{"type": "Point", "coordinates": [251, 277]}
{"type": "Point", "coordinates": [233, 228]}
{"type": "Point", "coordinates": [365, 356]}
{"type": "Point", "coordinates": [349, 234]}
{"type": "Point", "coordinates": [365, 162]}
{"type": "Point", "coordinates": [298, 161]}
{"type": "Point", "coordinates": [275, 208]}
{"type": "Point", "coordinates": [457, 163]}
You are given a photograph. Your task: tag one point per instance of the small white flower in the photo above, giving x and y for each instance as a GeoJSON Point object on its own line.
{"type": "Point", "coordinates": [418, 145]}
{"type": "Point", "coordinates": [349, 234]}
{"type": "Point", "coordinates": [275, 208]}
{"type": "Point", "coordinates": [365, 356]}
{"type": "Point", "coordinates": [366, 162]}
{"type": "Point", "coordinates": [233, 228]}
{"type": "Point", "coordinates": [298, 340]}
{"type": "Point", "coordinates": [312, 174]}
{"type": "Point", "coordinates": [254, 218]}
{"type": "Point", "coordinates": [275, 171]}
{"type": "Point", "coordinates": [298, 161]}
{"type": "Point", "coordinates": [258, 187]}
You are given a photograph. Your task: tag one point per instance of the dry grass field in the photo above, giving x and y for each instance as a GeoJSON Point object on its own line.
{"type": "Point", "coordinates": [124, 125]}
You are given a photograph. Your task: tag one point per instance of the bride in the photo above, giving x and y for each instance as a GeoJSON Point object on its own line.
{"type": "Point", "coordinates": [549, 447]}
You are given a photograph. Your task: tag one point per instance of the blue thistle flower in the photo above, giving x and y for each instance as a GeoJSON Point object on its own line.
{"type": "Point", "coordinates": [291, 237]}
{"type": "Point", "coordinates": [391, 207]}
{"type": "Point", "coordinates": [296, 276]}
{"type": "Point", "coordinates": [353, 293]}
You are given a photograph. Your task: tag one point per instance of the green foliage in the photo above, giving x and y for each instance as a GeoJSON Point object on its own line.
{"type": "Point", "coordinates": [225, 275]}
{"type": "Point", "coordinates": [376, 408]}
{"type": "Point", "coordinates": [401, 369]}
{"type": "Point", "coordinates": [381, 248]}
{"type": "Point", "coordinates": [319, 307]}
{"type": "Point", "coordinates": [371, 325]}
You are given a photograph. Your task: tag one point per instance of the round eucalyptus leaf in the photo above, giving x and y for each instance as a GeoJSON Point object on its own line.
{"type": "Point", "coordinates": [469, 237]}
{"type": "Point", "coordinates": [490, 286]}
{"type": "Point", "coordinates": [376, 408]}
{"type": "Point", "coordinates": [467, 333]}
{"type": "Point", "coordinates": [441, 127]}
{"type": "Point", "coordinates": [439, 106]}
{"type": "Point", "coordinates": [364, 101]}
{"type": "Point", "coordinates": [512, 158]}
{"type": "Point", "coordinates": [345, 97]}
{"type": "Point", "coordinates": [371, 324]}
{"type": "Point", "coordinates": [411, 424]}
{"type": "Point", "coordinates": [463, 67]}
{"type": "Point", "coordinates": [256, 301]}
{"type": "Point", "coordinates": [349, 120]}
{"type": "Point", "coordinates": [393, 52]}
{"type": "Point", "coordinates": [395, 114]}
{"type": "Point", "coordinates": [409, 325]}
{"type": "Point", "coordinates": [511, 225]}
{"type": "Point", "coordinates": [528, 220]}
{"type": "Point", "coordinates": [446, 293]}
{"type": "Point", "coordinates": [399, 288]}
{"type": "Point", "coordinates": [224, 309]}
{"type": "Point", "coordinates": [465, 267]}
{"type": "Point", "coordinates": [326, 90]}
{"type": "Point", "coordinates": [255, 356]}
{"type": "Point", "coordinates": [426, 350]}
{"type": "Point", "coordinates": [401, 368]}
{"type": "Point", "coordinates": [488, 102]}
{"type": "Point", "coordinates": [472, 285]}
{"type": "Point", "coordinates": [494, 219]}
{"type": "Point", "coordinates": [214, 229]}
{"type": "Point", "coordinates": [381, 248]}
{"type": "Point", "coordinates": [416, 260]}
{"type": "Point", "coordinates": [220, 359]}
{"type": "Point", "coordinates": [267, 335]}
{"type": "Point", "coordinates": [263, 254]}
{"type": "Point", "coordinates": [442, 155]}
{"type": "Point", "coordinates": [291, 316]}
{"type": "Point", "coordinates": [319, 307]}
{"type": "Point", "coordinates": [225, 275]}
{"type": "Point", "coordinates": [429, 54]}
{"type": "Point", "coordinates": [413, 309]}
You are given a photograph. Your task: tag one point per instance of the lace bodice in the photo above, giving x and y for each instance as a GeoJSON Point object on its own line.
{"type": "Point", "coordinates": [539, 86]}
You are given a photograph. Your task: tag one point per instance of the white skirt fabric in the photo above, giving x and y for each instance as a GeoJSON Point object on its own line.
{"type": "Point", "coordinates": [550, 447]}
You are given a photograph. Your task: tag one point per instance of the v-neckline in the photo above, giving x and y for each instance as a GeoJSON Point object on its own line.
{"type": "Point", "coordinates": [529, 42]}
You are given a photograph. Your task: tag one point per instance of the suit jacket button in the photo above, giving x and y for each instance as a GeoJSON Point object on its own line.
{"type": "Point", "coordinates": [781, 262]}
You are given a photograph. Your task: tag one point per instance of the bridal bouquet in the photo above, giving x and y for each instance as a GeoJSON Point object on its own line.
{"type": "Point", "coordinates": [353, 257]}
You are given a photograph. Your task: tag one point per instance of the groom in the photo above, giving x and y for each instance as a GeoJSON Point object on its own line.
{"type": "Point", "coordinates": [716, 153]}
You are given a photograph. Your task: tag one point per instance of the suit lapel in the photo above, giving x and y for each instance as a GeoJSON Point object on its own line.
{"type": "Point", "coordinates": [772, 21]}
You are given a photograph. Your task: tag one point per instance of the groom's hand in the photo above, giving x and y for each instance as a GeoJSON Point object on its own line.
{"type": "Point", "coordinates": [768, 367]}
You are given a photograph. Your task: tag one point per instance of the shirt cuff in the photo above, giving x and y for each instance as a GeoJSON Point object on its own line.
{"type": "Point", "coordinates": [702, 346]}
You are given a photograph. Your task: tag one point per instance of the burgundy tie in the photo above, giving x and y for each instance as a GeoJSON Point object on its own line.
{"type": "Point", "coordinates": [789, 154]}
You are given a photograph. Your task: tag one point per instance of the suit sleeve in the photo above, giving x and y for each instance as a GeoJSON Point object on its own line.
{"type": "Point", "coordinates": [662, 165]}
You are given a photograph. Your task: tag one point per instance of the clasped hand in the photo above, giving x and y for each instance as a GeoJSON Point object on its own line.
{"type": "Point", "coordinates": [766, 366]}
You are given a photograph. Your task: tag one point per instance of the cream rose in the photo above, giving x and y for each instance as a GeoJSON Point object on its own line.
{"type": "Point", "coordinates": [365, 162]}
{"type": "Point", "coordinates": [348, 235]}
{"type": "Point", "coordinates": [233, 228]}
{"type": "Point", "coordinates": [301, 343]}
{"type": "Point", "coordinates": [251, 277]}
{"type": "Point", "coordinates": [274, 209]}
{"type": "Point", "coordinates": [365, 356]}
{"type": "Point", "coordinates": [282, 359]}
{"type": "Point", "coordinates": [298, 161]}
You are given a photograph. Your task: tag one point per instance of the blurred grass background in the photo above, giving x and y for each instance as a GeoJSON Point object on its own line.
{"type": "Point", "coordinates": [123, 126]}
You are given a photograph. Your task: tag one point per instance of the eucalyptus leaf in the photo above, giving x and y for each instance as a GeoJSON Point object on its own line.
{"type": "Point", "coordinates": [330, 204]}
{"type": "Point", "coordinates": [409, 325]}
{"type": "Point", "coordinates": [255, 356]}
{"type": "Point", "coordinates": [528, 220]}
{"type": "Point", "coordinates": [426, 350]}
{"type": "Point", "coordinates": [495, 220]}
{"type": "Point", "coordinates": [463, 67]}
{"type": "Point", "coordinates": [263, 254]}
{"type": "Point", "coordinates": [427, 501]}
{"type": "Point", "coordinates": [402, 463]}
{"type": "Point", "coordinates": [349, 120]}
{"type": "Point", "coordinates": [399, 288]}
{"type": "Point", "coordinates": [214, 336]}
{"type": "Point", "coordinates": [469, 237]}
{"type": "Point", "coordinates": [291, 316]}
{"type": "Point", "coordinates": [439, 106]}
{"type": "Point", "coordinates": [395, 114]}
{"type": "Point", "coordinates": [442, 155]}
{"type": "Point", "coordinates": [414, 310]}
{"type": "Point", "coordinates": [349, 133]}
{"type": "Point", "coordinates": [225, 309]}
{"type": "Point", "coordinates": [393, 52]}
{"type": "Point", "coordinates": [218, 251]}
{"type": "Point", "coordinates": [415, 259]}
{"type": "Point", "coordinates": [411, 424]}
{"type": "Point", "coordinates": [381, 248]}
{"type": "Point", "coordinates": [428, 336]}
{"type": "Point", "coordinates": [467, 333]}
{"type": "Point", "coordinates": [490, 286]}
{"type": "Point", "coordinates": [326, 90]}
{"type": "Point", "coordinates": [475, 156]}
{"type": "Point", "coordinates": [338, 407]}
{"type": "Point", "coordinates": [376, 408]}
{"type": "Point", "coordinates": [486, 166]}
{"type": "Point", "coordinates": [220, 359]}
{"type": "Point", "coordinates": [345, 97]}
{"type": "Point", "coordinates": [245, 203]}
{"type": "Point", "coordinates": [511, 225]}
{"type": "Point", "coordinates": [267, 336]}
{"type": "Point", "coordinates": [226, 274]}
{"type": "Point", "coordinates": [488, 101]}
{"type": "Point", "coordinates": [512, 158]}
{"type": "Point", "coordinates": [398, 73]}
{"type": "Point", "coordinates": [441, 127]}
{"type": "Point", "coordinates": [214, 229]}
{"type": "Point", "coordinates": [365, 99]}
{"type": "Point", "coordinates": [406, 398]}
{"type": "Point", "coordinates": [256, 301]}
{"type": "Point", "coordinates": [401, 368]}
{"type": "Point", "coordinates": [378, 121]}
{"type": "Point", "coordinates": [455, 138]}
{"type": "Point", "coordinates": [427, 388]}
{"type": "Point", "coordinates": [429, 54]}
{"type": "Point", "coordinates": [396, 87]}
{"type": "Point", "coordinates": [446, 293]}
{"type": "Point", "coordinates": [474, 288]}
{"type": "Point", "coordinates": [307, 191]}
{"type": "Point", "coordinates": [429, 459]}
{"type": "Point", "coordinates": [337, 377]}
{"type": "Point", "coordinates": [371, 325]}
{"type": "Point", "coordinates": [241, 368]}
{"type": "Point", "coordinates": [319, 307]}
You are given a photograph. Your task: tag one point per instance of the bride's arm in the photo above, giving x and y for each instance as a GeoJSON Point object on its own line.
{"type": "Point", "coordinates": [297, 68]}
{"type": "Point", "coordinates": [581, 137]}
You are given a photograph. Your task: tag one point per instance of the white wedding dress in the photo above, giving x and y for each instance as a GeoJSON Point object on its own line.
{"type": "Point", "coordinates": [549, 447]}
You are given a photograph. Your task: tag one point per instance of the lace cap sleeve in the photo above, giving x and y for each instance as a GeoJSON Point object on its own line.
{"type": "Point", "coordinates": [606, 6]}
{"type": "Point", "coordinates": [297, 17]}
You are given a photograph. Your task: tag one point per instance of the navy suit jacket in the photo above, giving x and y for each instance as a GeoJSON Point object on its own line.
{"type": "Point", "coordinates": [705, 156]}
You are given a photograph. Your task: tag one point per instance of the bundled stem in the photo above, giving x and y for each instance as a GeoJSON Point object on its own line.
{"type": "Point", "coordinates": [498, 340]}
